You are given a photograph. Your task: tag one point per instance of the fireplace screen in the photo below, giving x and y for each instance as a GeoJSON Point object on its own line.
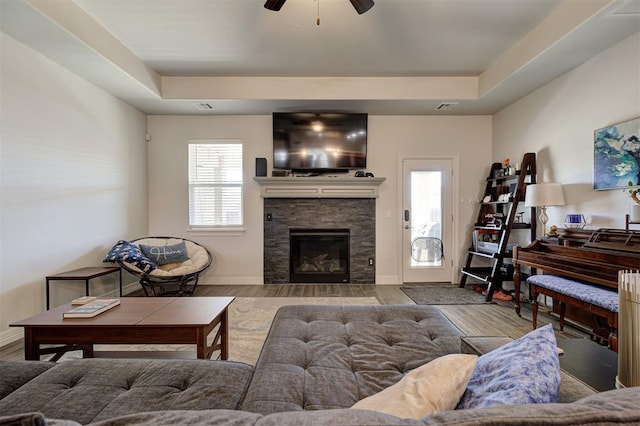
{"type": "Point", "coordinates": [319, 256]}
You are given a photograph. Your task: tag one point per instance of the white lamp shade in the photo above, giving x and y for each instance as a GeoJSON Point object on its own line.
{"type": "Point", "coordinates": [544, 195]}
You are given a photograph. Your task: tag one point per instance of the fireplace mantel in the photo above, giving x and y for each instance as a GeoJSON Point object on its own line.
{"type": "Point", "coordinates": [319, 187]}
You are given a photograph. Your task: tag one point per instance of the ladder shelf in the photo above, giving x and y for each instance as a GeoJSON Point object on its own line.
{"type": "Point", "coordinates": [496, 219]}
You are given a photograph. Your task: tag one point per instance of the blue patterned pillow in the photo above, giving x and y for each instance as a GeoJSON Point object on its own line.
{"type": "Point", "coordinates": [525, 371]}
{"type": "Point", "coordinates": [124, 251]}
{"type": "Point", "coordinates": [162, 255]}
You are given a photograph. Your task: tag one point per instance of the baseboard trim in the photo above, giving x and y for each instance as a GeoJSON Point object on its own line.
{"type": "Point", "coordinates": [380, 279]}
{"type": "Point", "coordinates": [388, 280]}
{"type": "Point", "coordinates": [231, 280]}
{"type": "Point", "coordinates": [10, 336]}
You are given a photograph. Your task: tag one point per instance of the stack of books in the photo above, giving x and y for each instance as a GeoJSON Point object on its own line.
{"type": "Point", "coordinates": [91, 309]}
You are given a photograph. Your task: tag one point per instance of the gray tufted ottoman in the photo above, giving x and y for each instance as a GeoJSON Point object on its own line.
{"type": "Point", "coordinates": [325, 357]}
{"type": "Point", "coordinates": [89, 390]}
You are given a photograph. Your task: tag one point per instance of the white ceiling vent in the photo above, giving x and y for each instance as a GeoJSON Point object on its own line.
{"type": "Point", "coordinates": [627, 8]}
{"type": "Point", "coordinates": [204, 106]}
{"type": "Point", "coordinates": [446, 106]}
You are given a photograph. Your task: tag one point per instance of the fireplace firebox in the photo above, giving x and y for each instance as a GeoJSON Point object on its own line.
{"type": "Point", "coordinates": [319, 255]}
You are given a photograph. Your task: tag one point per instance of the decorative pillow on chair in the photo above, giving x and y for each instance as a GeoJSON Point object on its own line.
{"type": "Point", "coordinates": [124, 251]}
{"type": "Point", "coordinates": [162, 255]}
{"type": "Point", "coordinates": [525, 371]}
{"type": "Point", "coordinates": [431, 388]}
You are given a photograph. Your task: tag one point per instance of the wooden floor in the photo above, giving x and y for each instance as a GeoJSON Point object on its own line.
{"type": "Point", "coordinates": [386, 294]}
{"type": "Point", "coordinates": [496, 319]}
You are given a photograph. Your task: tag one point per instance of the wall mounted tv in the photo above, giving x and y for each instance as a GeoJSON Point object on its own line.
{"type": "Point", "coordinates": [319, 142]}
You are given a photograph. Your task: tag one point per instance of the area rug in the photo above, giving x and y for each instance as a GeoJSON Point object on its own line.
{"type": "Point", "coordinates": [443, 295]}
{"type": "Point", "coordinates": [249, 322]}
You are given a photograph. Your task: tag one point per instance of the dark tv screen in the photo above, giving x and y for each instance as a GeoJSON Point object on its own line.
{"type": "Point", "coordinates": [327, 141]}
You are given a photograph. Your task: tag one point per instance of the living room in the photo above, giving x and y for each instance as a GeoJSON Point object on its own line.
{"type": "Point", "coordinates": [77, 176]}
{"type": "Point", "coordinates": [115, 169]}
{"type": "Point", "coordinates": [78, 173]}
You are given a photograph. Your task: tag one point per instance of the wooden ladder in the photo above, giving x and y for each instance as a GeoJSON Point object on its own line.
{"type": "Point", "coordinates": [496, 217]}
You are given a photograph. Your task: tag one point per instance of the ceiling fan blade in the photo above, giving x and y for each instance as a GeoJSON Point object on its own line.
{"type": "Point", "coordinates": [361, 6]}
{"type": "Point", "coordinates": [274, 5]}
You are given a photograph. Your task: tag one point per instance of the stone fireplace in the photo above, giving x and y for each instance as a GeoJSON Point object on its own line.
{"type": "Point", "coordinates": [337, 237]}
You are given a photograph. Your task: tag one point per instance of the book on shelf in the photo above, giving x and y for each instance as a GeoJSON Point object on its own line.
{"type": "Point", "coordinates": [91, 309]}
{"type": "Point", "coordinates": [83, 300]}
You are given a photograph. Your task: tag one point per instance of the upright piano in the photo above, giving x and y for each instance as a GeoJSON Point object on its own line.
{"type": "Point", "coordinates": [597, 261]}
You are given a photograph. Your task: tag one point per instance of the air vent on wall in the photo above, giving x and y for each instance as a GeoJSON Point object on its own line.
{"type": "Point", "coordinates": [627, 8]}
{"type": "Point", "coordinates": [204, 106]}
{"type": "Point", "coordinates": [446, 106]}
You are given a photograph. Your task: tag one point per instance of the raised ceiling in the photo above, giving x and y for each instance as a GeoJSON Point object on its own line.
{"type": "Point", "coordinates": [400, 57]}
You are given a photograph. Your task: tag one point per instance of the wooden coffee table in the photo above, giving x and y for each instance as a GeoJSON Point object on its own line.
{"type": "Point", "coordinates": [137, 320]}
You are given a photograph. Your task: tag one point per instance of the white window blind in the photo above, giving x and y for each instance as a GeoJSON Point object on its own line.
{"type": "Point", "coordinates": [215, 184]}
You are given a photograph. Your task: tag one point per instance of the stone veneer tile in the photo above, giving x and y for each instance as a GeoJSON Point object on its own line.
{"type": "Point", "coordinates": [356, 214]}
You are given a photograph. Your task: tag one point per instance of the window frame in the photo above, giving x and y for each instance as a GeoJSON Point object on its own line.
{"type": "Point", "coordinates": [215, 228]}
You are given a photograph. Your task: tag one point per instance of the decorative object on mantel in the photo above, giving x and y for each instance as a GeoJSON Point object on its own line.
{"type": "Point", "coordinates": [544, 195]}
{"type": "Point", "coordinates": [617, 155]}
{"type": "Point", "coordinates": [629, 339]}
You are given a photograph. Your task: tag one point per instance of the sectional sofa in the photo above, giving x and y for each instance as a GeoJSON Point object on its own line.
{"type": "Point", "coordinates": [318, 362]}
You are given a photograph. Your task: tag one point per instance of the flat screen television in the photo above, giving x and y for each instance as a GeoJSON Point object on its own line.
{"type": "Point", "coordinates": [319, 142]}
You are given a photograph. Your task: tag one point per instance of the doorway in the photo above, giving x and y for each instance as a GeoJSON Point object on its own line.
{"type": "Point", "coordinates": [427, 220]}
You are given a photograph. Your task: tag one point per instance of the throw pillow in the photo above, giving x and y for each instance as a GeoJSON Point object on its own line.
{"type": "Point", "coordinates": [430, 388]}
{"type": "Point", "coordinates": [124, 251]}
{"type": "Point", "coordinates": [162, 255]}
{"type": "Point", "coordinates": [525, 371]}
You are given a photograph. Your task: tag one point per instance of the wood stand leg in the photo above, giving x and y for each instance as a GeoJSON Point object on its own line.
{"type": "Point", "coordinates": [534, 308]}
{"type": "Point", "coordinates": [563, 309]}
{"type": "Point", "coordinates": [613, 336]}
{"type": "Point", "coordinates": [224, 337]}
{"type": "Point", "coordinates": [516, 285]}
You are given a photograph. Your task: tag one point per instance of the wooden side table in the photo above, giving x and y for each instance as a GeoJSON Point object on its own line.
{"type": "Point", "coordinates": [84, 274]}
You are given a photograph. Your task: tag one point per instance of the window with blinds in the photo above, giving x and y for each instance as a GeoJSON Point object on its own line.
{"type": "Point", "coordinates": [215, 184]}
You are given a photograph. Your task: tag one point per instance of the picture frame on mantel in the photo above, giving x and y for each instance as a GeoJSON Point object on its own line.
{"type": "Point", "coordinates": [617, 155]}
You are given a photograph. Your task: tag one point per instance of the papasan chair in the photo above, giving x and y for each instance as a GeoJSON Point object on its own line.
{"type": "Point", "coordinates": [165, 266]}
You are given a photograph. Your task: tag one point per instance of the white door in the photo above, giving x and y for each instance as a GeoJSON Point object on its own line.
{"type": "Point", "coordinates": [427, 220]}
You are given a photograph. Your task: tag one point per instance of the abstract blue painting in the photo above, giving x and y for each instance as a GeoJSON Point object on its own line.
{"type": "Point", "coordinates": [617, 155]}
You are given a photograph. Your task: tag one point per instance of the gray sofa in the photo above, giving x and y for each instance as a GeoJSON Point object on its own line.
{"type": "Point", "coordinates": [317, 361]}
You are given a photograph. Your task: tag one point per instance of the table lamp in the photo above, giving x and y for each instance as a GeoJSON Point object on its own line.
{"type": "Point", "coordinates": [544, 195]}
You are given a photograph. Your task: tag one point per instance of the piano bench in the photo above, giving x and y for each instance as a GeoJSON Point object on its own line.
{"type": "Point", "coordinates": [596, 300]}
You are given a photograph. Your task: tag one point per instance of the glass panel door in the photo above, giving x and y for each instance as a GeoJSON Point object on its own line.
{"type": "Point", "coordinates": [427, 220]}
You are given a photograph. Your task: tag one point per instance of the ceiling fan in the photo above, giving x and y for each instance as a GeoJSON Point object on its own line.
{"type": "Point", "coordinates": [361, 6]}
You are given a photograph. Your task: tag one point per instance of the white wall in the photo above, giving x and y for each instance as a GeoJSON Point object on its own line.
{"type": "Point", "coordinates": [557, 122]}
{"type": "Point", "coordinates": [239, 257]}
{"type": "Point", "coordinates": [73, 180]}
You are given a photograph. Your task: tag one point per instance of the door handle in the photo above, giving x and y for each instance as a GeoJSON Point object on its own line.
{"type": "Point", "coordinates": [407, 227]}
{"type": "Point", "coordinates": [406, 215]}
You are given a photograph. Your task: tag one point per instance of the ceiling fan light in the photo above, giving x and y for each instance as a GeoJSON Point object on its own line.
{"type": "Point", "coordinates": [361, 6]}
{"type": "Point", "coordinates": [274, 5]}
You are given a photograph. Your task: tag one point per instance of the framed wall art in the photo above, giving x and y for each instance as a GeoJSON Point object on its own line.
{"type": "Point", "coordinates": [617, 155]}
